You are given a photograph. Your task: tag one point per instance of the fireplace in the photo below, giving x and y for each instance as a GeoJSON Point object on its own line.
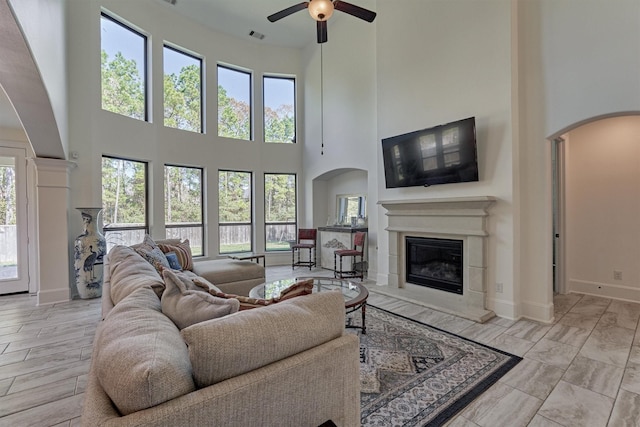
{"type": "Point", "coordinates": [462, 219]}
{"type": "Point", "coordinates": [434, 263]}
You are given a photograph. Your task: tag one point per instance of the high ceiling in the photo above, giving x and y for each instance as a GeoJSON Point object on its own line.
{"type": "Point", "coordinates": [240, 17]}
{"type": "Point", "coordinates": [237, 18]}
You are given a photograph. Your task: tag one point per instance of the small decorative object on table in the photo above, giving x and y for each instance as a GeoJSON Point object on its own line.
{"type": "Point", "coordinates": [90, 248]}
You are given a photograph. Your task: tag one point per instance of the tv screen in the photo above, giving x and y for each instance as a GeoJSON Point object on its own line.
{"type": "Point", "coordinates": [438, 155]}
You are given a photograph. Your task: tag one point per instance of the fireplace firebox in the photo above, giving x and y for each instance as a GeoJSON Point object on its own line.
{"type": "Point", "coordinates": [434, 263]}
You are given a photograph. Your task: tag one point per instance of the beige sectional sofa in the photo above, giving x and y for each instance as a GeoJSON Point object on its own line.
{"type": "Point", "coordinates": [286, 364]}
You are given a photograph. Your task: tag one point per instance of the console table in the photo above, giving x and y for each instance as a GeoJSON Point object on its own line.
{"type": "Point", "coordinates": [337, 237]}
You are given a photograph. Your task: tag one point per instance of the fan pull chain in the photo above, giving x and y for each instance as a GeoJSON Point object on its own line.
{"type": "Point", "coordinates": [321, 103]}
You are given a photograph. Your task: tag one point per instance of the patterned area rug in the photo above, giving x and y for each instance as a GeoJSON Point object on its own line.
{"type": "Point", "coordinates": [412, 374]}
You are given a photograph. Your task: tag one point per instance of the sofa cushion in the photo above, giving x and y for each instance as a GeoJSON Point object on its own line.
{"type": "Point", "coordinates": [219, 271]}
{"type": "Point", "coordinates": [128, 271]}
{"type": "Point", "coordinates": [187, 307]}
{"type": "Point", "coordinates": [299, 288]}
{"type": "Point", "coordinates": [232, 345]}
{"type": "Point", "coordinates": [140, 359]}
{"type": "Point", "coordinates": [182, 249]}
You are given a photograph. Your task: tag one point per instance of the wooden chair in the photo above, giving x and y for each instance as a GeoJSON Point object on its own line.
{"type": "Point", "coordinates": [357, 251]}
{"type": "Point", "coordinates": [306, 240]}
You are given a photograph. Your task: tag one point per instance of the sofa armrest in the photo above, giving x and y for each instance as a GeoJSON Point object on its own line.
{"type": "Point", "coordinates": [306, 389]}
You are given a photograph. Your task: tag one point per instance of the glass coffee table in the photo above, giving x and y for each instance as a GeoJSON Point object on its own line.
{"type": "Point", "coordinates": [355, 295]}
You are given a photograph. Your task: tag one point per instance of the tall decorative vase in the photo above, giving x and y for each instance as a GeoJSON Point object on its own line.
{"type": "Point", "coordinates": [90, 248]}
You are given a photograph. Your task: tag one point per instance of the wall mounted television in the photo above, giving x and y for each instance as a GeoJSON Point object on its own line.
{"type": "Point", "coordinates": [439, 155]}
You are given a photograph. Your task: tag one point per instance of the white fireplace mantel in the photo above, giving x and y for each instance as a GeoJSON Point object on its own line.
{"type": "Point", "coordinates": [461, 218]}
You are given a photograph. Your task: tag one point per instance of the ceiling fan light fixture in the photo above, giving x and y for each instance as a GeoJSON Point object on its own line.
{"type": "Point", "coordinates": [321, 10]}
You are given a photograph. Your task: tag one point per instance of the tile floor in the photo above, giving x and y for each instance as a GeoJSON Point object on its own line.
{"type": "Point", "coordinates": [583, 370]}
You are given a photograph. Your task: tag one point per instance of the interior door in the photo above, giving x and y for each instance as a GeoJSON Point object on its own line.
{"type": "Point", "coordinates": [557, 159]}
{"type": "Point", "coordinates": [14, 276]}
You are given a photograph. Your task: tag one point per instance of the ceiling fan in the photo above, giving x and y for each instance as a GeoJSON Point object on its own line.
{"type": "Point", "coordinates": [321, 11]}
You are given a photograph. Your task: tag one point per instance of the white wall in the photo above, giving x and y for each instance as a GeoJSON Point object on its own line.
{"type": "Point", "coordinates": [578, 82]}
{"type": "Point", "coordinates": [95, 132]}
{"type": "Point", "coordinates": [578, 59]}
{"type": "Point", "coordinates": [350, 97]}
{"type": "Point", "coordinates": [442, 61]}
{"type": "Point", "coordinates": [603, 207]}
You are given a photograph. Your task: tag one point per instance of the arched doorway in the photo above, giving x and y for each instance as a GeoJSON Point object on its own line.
{"type": "Point", "coordinates": [596, 227]}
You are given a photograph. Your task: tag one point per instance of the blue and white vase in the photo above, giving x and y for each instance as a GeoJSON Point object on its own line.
{"type": "Point", "coordinates": [90, 248]}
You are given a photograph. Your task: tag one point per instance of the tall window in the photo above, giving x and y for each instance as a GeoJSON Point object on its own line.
{"type": "Point", "coordinates": [183, 205]}
{"type": "Point", "coordinates": [124, 201]}
{"type": "Point", "coordinates": [123, 69]}
{"type": "Point", "coordinates": [279, 109]}
{"type": "Point", "coordinates": [279, 210]}
{"type": "Point", "coordinates": [234, 196]}
{"type": "Point", "coordinates": [182, 90]}
{"type": "Point", "coordinates": [234, 103]}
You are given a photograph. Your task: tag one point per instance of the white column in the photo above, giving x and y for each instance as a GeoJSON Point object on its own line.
{"type": "Point", "coordinates": [52, 237]}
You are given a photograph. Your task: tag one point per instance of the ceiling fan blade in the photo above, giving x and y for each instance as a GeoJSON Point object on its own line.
{"type": "Point", "coordinates": [322, 31]}
{"type": "Point", "coordinates": [288, 11]}
{"type": "Point", "coordinates": [354, 10]}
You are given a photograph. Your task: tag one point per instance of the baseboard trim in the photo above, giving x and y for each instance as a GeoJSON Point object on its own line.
{"type": "Point", "coordinates": [539, 312]}
{"type": "Point", "coordinates": [505, 309]}
{"type": "Point", "coordinates": [605, 290]}
{"type": "Point", "coordinates": [53, 296]}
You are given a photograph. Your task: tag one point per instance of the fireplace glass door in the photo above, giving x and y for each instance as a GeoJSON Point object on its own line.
{"type": "Point", "coordinates": [434, 263]}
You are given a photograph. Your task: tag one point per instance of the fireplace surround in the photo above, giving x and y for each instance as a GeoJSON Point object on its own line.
{"type": "Point", "coordinates": [461, 218]}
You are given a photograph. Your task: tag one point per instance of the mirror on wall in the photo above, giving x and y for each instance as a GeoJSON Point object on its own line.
{"type": "Point", "coordinates": [351, 206]}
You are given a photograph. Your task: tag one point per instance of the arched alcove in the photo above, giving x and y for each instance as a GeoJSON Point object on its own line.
{"type": "Point", "coordinates": [328, 185]}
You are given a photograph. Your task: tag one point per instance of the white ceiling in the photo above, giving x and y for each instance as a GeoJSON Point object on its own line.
{"type": "Point", "coordinates": [237, 18]}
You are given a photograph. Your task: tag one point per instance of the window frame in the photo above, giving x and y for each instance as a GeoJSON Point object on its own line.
{"type": "Point", "coordinates": [268, 223]}
{"type": "Point", "coordinates": [146, 197]}
{"type": "Point", "coordinates": [251, 224]}
{"type": "Point", "coordinates": [202, 206]}
{"type": "Point", "coordinates": [176, 49]}
{"type": "Point", "coordinates": [145, 68]}
{"type": "Point", "coordinates": [242, 71]}
{"type": "Point", "coordinates": [295, 115]}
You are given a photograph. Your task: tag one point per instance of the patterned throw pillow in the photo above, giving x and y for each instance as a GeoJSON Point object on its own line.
{"type": "Point", "coordinates": [182, 251]}
{"type": "Point", "coordinates": [152, 253]}
{"type": "Point", "coordinates": [300, 288]}
{"type": "Point", "coordinates": [173, 260]}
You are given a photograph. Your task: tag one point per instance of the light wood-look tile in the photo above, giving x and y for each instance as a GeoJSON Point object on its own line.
{"type": "Point", "coordinates": [566, 377]}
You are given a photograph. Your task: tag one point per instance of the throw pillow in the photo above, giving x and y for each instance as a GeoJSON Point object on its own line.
{"type": "Point", "coordinates": [297, 289]}
{"type": "Point", "coordinates": [173, 260]}
{"type": "Point", "coordinates": [135, 368]}
{"type": "Point", "coordinates": [182, 251]}
{"type": "Point", "coordinates": [156, 258]}
{"type": "Point", "coordinates": [150, 251]}
{"type": "Point", "coordinates": [185, 307]}
{"type": "Point", "coordinates": [224, 348]}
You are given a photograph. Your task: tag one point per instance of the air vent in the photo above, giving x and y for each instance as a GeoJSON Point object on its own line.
{"type": "Point", "coordinates": [256, 34]}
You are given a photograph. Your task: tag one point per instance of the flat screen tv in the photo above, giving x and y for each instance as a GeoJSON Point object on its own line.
{"type": "Point", "coordinates": [439, 155]}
